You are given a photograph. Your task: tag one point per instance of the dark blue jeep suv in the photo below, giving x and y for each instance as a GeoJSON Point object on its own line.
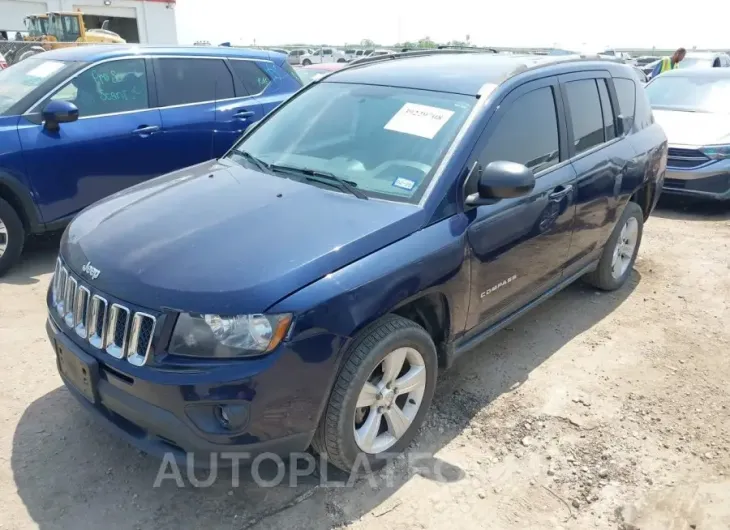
{"type": "Point", "coordinates": [78, 124]}
{"type": "Point", "coordinates": [306, 287]}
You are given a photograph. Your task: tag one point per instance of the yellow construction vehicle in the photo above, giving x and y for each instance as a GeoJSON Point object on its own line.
{"type": "Point", "coordinates": [65, 28]}
{"type": "Point", "coordinates": [37, 26]}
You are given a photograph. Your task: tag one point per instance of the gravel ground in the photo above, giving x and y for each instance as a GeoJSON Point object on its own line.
{"type": "Point", "coordinates": [594, 411]}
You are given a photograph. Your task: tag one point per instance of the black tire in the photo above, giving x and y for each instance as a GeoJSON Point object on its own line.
{"type": "Point", "coordinates": [306, 62]}
{"type": "Point", "coordinates": [335, 436]}
{"type": "Point", "coordinates": [341, 60]}
{"type": "Point", "coordinates": [603, 278]}
{"type": "Point", "coordinates": [15, 236]}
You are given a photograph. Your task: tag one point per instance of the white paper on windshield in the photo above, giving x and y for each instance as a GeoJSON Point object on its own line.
{"type": "Point", "coordinates": [419, 120]}
{"type": "Point", "coordinates": [47, 69]}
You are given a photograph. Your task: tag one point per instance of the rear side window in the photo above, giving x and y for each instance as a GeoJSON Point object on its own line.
{"type": "Point", "coordinates": [527, 133]}
{"type": "Point", "coordinates": [608, 122]}
{"type": "Point", "coordinates": [626, 94]}
{"type": "Point", "coordinates": [634, 105]}
{"type": "Point", "coordinates": [189, 80]}
{"type": "Point", "coordinates": [585, 114]}
{"type": "Point", "coordinates": [254, 79]}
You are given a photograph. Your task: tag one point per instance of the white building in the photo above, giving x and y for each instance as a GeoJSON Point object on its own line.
{"type": "Point", "coordinates": [144, 21]}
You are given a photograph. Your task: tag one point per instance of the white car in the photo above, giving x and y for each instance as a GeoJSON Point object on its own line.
{"type": "Point", "coordinates": [324, 55]}
{"type": "Point", "coordinates": [3, 62]}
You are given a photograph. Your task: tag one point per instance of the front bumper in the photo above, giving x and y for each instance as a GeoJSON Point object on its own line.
{"type": "Point", "coordinates": [710, 181]}
{"type": "Point", "coordinates": [173, 411]}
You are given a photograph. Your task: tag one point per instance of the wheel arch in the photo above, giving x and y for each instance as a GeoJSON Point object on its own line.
{"type": "Point", "coordinates": [20, 199]}
{"type": "Point", "coordinates": [429, 310]}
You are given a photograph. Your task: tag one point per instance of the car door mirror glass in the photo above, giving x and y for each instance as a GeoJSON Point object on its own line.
{"type": "Point", "coordinates": [502, 180]}
{"type": "Point", "coordinates": [57, 112]}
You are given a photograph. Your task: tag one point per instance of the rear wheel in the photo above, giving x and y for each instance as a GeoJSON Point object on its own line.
{"type": "Point", "coordinates": [12, 237]}
{"type": "Point", "coordinates": [306, 62]}
{"type": "Point", "coordinates": [381, 395]}
{"type": "Point", "coordinates": [620, 251]}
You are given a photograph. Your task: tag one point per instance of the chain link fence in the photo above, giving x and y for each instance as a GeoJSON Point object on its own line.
{"type": "Point", "coordinates": [15, 51]}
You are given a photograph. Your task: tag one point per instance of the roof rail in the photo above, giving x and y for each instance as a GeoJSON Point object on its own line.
{"type": "Point", "coordinates": [475, 48]}
{"type": "Point", "coordinates": [405, 55]}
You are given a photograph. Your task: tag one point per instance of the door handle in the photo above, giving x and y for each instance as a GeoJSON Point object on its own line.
{"type": "Point", "coordinates": [244, 114]}
{"type": "Point", "coordinates": [144, 130]}
{"type": "Point", "coordinates": [558, 195]}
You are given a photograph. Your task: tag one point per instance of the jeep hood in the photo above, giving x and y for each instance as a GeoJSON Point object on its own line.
{"type": "Point", "coordinates": [220, 238]}
{"type": "Point", "coordinates": [693, 128]}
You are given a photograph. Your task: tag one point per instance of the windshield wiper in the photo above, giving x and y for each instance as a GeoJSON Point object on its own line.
{"type": "Point", "coordinates": [324, 177]}
{"type": "Point", "coordinates": [263, 166]}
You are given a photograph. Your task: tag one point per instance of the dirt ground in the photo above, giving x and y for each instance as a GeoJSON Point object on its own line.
{"type": "Point", "coordinates": [594, 411]}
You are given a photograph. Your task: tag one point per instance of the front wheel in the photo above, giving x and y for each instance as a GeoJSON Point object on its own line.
{"type": "Point", "coordinates": [381, 395]}
{"type": "Point", "coordinates": [341, 61]}
{"type": "Point", "coordinates": [619, 254]}
{"type": "Point", "coordinates": [306, 62]}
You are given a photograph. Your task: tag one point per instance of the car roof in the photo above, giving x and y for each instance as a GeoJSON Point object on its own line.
{"type": "Point", "coordinates": [100, 52]}
{"type": "Point", "coordinates": [462, 73]}
{"type": "Point", "coordinates": [325, 66]}
{"type": "Point", "coordinates": [703, 55]}
{"type": "Point", "coordinates": [718, 73]}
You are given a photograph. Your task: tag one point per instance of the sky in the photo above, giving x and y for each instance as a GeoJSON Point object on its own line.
{"type": "Point", "coordinates": [560, 23]}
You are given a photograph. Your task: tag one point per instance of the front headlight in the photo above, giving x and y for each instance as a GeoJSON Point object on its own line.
{"type": "Point", "coordinates": [716, 152]}
{"type": "Point", "coordinates": [228, 336]}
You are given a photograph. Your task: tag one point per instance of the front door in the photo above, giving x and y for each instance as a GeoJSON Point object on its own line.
{"type": "Point", "coordinates": [113, 144]}
{"type": "Point", "coordinates": [519, 246]}
{"type": "Point", "coordinates": [202, 113]}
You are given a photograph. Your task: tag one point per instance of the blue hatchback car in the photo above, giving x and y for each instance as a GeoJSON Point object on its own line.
{"type": "Point", "coordinates": [79, 124]}
{"type": "Point", "coordinates": [307, 286]}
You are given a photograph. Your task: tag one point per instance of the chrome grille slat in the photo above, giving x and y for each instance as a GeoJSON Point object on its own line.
{"type": "Point", "coordinates": [68, 301]}
{"type": "Point", "coordinates": [63, 276]}
{"type": "Point", "coordinates": [140, 338]}
{"type": "Point", "coordinates": [114, 328]}
{"type": "Point", "coordinates": [81, 311]}
{"type": "Point", "coordinates": [116, 331]}
{"type": "Point", "coordinates": [97, 321]}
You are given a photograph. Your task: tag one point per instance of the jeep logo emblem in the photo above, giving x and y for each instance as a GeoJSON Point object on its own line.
{"type": "Point", "coordinates": [92, 271]}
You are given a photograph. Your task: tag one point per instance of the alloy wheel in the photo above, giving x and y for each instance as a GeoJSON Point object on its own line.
{"type": "Point", "coordinates": [623, 253]}
{"type": "Point", "coordinates": [389, 400]}
{"type": "Point", "coordinates": [4, 237]}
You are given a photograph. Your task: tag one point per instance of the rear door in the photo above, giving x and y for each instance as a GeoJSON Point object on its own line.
{"type": "Point", "coordinates": [600, 158]}
{"type": "Point", "coordinates": [520, 246]}
{"type": "Point", "coordinates": [198, 107]}
{"type": "Point", "coordinates": [113, 145]}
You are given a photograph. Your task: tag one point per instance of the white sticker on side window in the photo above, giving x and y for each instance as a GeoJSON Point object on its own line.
{"type": "Point", "coordinates": [46, 69]}
{"type": "Point", "coordinates": [419, 120]}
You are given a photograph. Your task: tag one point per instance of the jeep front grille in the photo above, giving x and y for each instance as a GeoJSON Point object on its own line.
{"type": "Point", "coordinates": [111, 327]}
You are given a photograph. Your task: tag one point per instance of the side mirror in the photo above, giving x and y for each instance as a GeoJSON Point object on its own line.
{"type": "Point", "coordinates": [502, 180]}
{"type": "Point", "coordinates": [57, 112]}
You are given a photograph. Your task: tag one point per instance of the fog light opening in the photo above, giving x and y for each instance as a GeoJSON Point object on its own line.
{"type": "Point", "coordinates": [222, 415]}
{"type": "Point", "coordinates": [232, 417]}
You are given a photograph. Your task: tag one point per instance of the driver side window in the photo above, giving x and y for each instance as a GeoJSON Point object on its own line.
{"type": "Point", "coordinates": [108, 88]}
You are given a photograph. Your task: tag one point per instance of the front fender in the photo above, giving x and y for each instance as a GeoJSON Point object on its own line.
{"type": "Point", "coordinates": [430, 260]}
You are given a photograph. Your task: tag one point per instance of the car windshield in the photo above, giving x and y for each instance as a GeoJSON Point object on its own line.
{"type": "Point", "coordinates": [694, 94]}
{"type": "Point", "coordinates": [695, 62]}
{"type": "Point", "coordinates": [385, 141]}
{"type": "Point", "coordinates": [20, 79]}
{"type": "Point", "coordinates": [307, 75]}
